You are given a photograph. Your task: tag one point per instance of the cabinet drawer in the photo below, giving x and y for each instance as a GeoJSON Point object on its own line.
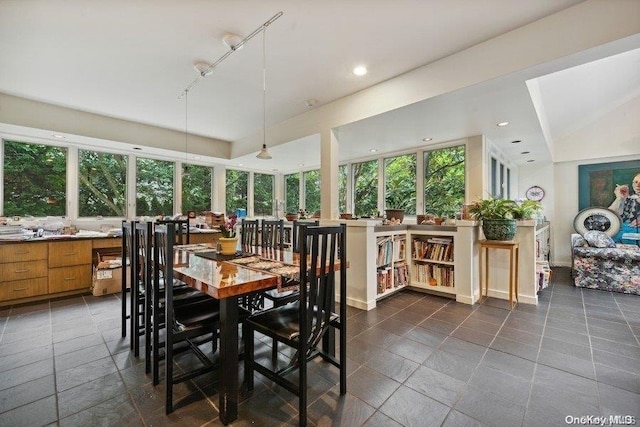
{"type": "Point", "coordinates": [107, 242]}
{"type": "Point", "coordinates": [69, 278]}
{"type": "Point", "coordinates": [23, 270]}
{"type": "Point", "coordinates": [23, 252]}
{"type": "Point", "coordinates": [62, 254]}
{"type": "Point", "coordinates": [23, 288]}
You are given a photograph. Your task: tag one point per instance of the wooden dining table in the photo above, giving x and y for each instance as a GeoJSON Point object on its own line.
{"type": "Point", "coordinates": [227, 281]}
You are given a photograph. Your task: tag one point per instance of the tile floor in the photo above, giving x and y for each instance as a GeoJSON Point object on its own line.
{"type": "Point", "coordinates": [416, 360]}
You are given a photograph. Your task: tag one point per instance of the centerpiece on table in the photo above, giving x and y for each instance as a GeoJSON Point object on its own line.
{"type": "Point", "coordinates": [229, 239]}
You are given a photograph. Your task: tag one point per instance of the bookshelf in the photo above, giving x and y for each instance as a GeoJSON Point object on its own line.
{"type": "Point", "coordinates": [392, 271]}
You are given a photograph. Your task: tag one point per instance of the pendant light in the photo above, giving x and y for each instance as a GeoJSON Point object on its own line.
{"type": "Point", "coordinates": [264, 154]}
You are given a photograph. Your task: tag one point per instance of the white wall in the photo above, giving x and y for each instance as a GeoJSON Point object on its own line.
{"type": "Point", "coordinates": [542, 176]}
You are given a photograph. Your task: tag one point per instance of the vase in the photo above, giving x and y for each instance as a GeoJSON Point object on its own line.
{"type": "Point", "coordinates": [395, 213]}
{"type": "Point", "coordinates": [228, 245]}
{"type": "Point", "coordinates": [499, 229]}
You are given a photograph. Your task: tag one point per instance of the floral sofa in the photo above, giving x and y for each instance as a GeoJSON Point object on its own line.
{"type": "Point", "coordinates": [615, 269]}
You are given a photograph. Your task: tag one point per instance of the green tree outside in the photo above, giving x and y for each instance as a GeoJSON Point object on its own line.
{"type": "Point", "coordinates": [237, 190]}
{"type": "Point", "coordinates": [312, 191]}
{"type": "Point", "coordinates": [154, 185]}
{"type": "Point", "coordinates": [196, 188]}
{"type": "Point", "coordinates": [444, 182]}
{"type": "Point", "coordinates": [263, 187]}
{"type": "Point", "coordinates": [365, 187]}
{"type": "Point", "coordinates": [400, 174]}
{"type": "Point", "coordinates": [102, 179]}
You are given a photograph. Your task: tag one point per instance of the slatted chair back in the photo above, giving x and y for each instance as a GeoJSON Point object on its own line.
{"type": "Point", "coordinates": [272, 234]}
{"type": "Point", "coordinates": [249, 232]}
{"type": "Point", "coordinates": [295, 235]}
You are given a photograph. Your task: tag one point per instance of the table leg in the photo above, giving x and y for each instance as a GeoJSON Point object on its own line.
{"type": "Point", "coordinates": [228, 360]}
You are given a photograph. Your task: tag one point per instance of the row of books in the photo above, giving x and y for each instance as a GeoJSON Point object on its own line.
{"type": "Point", "coordinates": [390, 278]}
{"type": "Point", "coordinates": [435, 248]}
{"type": "Point", "coordinates": [390, 249]}
{"type": "Point", "coordinates": [434, 274]}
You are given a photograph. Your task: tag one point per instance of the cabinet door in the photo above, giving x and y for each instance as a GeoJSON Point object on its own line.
{"type": "Point", "coordinates": [107, 242]}
{"type": "Point", "coordinates": [23, 288]}
{"type": "Point", "coordinates": [23, 252]}
{"type": "Point", "coordinates": [23, 270]}
{"type": "Point", "coordinates": [69, 278]}
{"type": "Point", "coordinates": [62, 254]}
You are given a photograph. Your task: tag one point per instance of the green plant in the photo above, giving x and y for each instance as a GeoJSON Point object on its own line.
{"type": "Point", "coordinates": [493, 208]}
{"type": "Point", "coordinates": [526, 209]}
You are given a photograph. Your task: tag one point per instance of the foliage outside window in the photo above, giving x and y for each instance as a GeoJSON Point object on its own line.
{"type": "Point", "coordinates": [237, 190]}
{"type": "Point", "coordinates": [342, 188]}
{"type": "Point", "coordinates": [35, 179]}
{"type": "Point", "coordinates": [312, 191]}
{"type": "Point", "coordinates": [292, 192]}
{"type": "Point", "coordinates": [196, 188]}
{"type": "Point", "coordinates": [444, 180]}
{"type": "Point", "coordinates": [400, 183]}
{"type": "Point", "coordinates": [154, 186]}
{"type": "Point", "coordinates": [102, 180]}
{"type": "Point", "coordinates": [263, 194]}
{"type": "Point", "coordinates": [365, 187]}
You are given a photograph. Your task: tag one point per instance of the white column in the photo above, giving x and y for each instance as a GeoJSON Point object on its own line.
{"type": "Point", "coordinates": [329, 174]}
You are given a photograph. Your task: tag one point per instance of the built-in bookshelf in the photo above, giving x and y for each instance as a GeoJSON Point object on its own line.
{"type": "Point", "coordinates": [392, 271]}
{"type": "Point", "coordinates": [433, 262]}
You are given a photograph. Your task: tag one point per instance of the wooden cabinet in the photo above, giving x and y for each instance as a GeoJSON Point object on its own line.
{"type": "Point", "coordinates": [23, 270]}
{"type": "Point", "coordinates": [70, 265]}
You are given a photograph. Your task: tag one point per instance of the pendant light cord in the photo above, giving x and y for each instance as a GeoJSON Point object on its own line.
{"type": "Point", "coordinates": [264, 88]}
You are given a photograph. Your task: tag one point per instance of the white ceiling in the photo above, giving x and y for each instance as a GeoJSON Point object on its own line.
{"type": "Point", "coordinates": [132, 60]}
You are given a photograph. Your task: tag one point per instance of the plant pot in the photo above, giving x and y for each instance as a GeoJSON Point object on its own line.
{"type": "Point", "coordinates": [499, 229]}
{"type": "Point", "coordinates": [395, 213]}
{"type": "Point", "coordinates": [291, 216]}
{"type": "Point", "coordinates": [228, 245]}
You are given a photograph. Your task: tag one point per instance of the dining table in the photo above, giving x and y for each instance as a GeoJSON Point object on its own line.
{"type": "Point", "coordinates": [201, 267]}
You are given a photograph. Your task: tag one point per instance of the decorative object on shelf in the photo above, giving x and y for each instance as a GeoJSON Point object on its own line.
{"type": "Point", "coordinates": [426, 219]}
{"type": "Point", "coordinates": [535, 193]}
{"type": "Point", "coordinates": [397, 214]}
{"type": "Point", "coordinates": [291, 216]}
{"type": "Point", "coordinates": [597, 218]}
{"type": "Point", "coordinates": [497, 217]}
{"type": "Point", "coordinates": [346, 216]}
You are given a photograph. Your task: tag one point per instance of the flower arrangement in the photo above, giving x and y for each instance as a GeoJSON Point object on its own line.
{"type": "Point", "coordinates": [229, 227]}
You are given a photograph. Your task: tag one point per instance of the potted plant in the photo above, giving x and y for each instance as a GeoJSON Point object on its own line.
{"type": "Point", "coordinates": [499, 216]}
{"type": "Point", "coordinates": [229, 239]}
{"type": "Point", "coordinates": [498, 222]}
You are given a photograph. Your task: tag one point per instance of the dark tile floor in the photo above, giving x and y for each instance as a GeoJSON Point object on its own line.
{"type": "Point", "coordinates": [416, 360]}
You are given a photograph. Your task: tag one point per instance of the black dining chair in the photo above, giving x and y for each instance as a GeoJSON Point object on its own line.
{"type": "Point", "coordinates": [249, 232]}
{"type": "Point", "coordinates": [304, 325]}
{"type": "Point", "coordinates": [295, 233]}
{"type": "Point", "coordinates": [135, 314]}
{"type": "Point", "coordinates": [183, 235]}
{"type": "Point", "coordinates": [185, 324]}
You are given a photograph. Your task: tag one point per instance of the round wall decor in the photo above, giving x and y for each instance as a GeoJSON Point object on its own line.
{"type": "Point", "coordinates": [597, 218]}
{"type": "Point", "coordinates": [535, 193]}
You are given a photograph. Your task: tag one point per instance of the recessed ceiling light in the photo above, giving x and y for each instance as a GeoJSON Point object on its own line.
{"type": "Point", "coordinates": [503, 124]}
{"type": "Point", "coordinates": [274, 170]}
{"type": "Point", "coordinates": [311, 102]}
{"type": "Point", "coordinates": [58, 136]}
{"type": "Point", "coordinates": [517, 141]}
{"type": "Point", "coordinates": [300, 164]}
{"type": "Point", "coordinates": [525, 152]}
{"type": "Point", "coordinates": [137, 148]}
{"type": "Point", "coordinates": [373, 150]}
{"type": "Point", "coordinates": [240, 164]}
{"type": "Point", "coordinates": [197, 157]}
{"type": "Point", "coordinates": [360, 70]}
{"type": "Point", "coordinates": [427, 139]}
{"type": "Point", "coordinates": [530, 161]}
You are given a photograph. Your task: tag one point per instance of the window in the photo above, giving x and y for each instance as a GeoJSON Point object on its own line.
{"type": "Point", "coordinates": [196, 188]}
{"type": "Point", "coordinates": [292, 192]}
{"type": "Point", "coordinates": [237, 190]}
{"type": "Point", "coordinates": [400, 183]}
{"type": "Point", "coordinates": [102, 181]}
{"type": "Point", "coordinates": [263, 194]}
{"type": "Point", "coordinates": [312, 191]}
{"type": "Point", "coordinates": [342, 188]}
{"type": "Point", "coordinates": [365, 187]}
{"type": "Point", "coordinates": [444, 180]}
{"type": "Point", "coordinates": [154, 186]}
{"type": "Point", "coordinates": [35, 179]}
{"type": "Point", "coordinates": [500, 179]}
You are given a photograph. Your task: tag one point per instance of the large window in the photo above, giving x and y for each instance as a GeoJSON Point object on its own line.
{"type": "Point", "coordinates": [400, 183]}
{"type": "Point", "coordinates": [342, 188]}
{"type": "Point", "coordinates": [312, 191]}
{"type": "Point", "coordinates": [292, 192]}
{"type": "Point", "coordinates": [35, 180]}
{"type": "Point", "coordinates": [154, 186]}
{"type": "Point", "coordinates": [196, 188]}
{"type": "Point", "coordinates": [237, 190]}
{"type": "Point", "coordinates": [365, 188]}
{"type": "Point", "coordinates": [263, 194]}
{"type": "Point", "coordinates": [102, 181]}
{"type": "Point", "coordinates": [444, 181]}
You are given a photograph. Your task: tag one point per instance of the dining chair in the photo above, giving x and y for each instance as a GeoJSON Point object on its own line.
{"type": "Point", "coordinates": [185, 324]}
{"type": "Point", "coordinates": [183, 235]}
{"type": "Point", "coordinates": [249, 232]}
{"type": "Point", "coordinates": [131, 252]}
{"type": "Point", "coordinates": [272, 232]}
{"type": "Point", "coordinates": [295, 234]}
{"type": "Point", "coordinates": [304, 325]}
